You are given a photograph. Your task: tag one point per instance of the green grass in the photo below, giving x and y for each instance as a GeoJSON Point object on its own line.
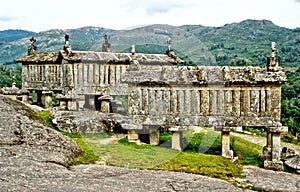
{"type": "Point", "coordinates": [131, 155]}
{"type": "Point", "coordinates": [209, 141]}
{"type": "Point", "coordinates": [246, 151]}
{"type": "Point", "coordinates": [197, 163]}
{"type": "Point", "coordinates": [87, 157]}
{"type": "Point", "coordinates": [45, 115]}
{"type": "Point", "coordinates": [201, 156]}
{"type": "Point", "coordinates": [191, 160]}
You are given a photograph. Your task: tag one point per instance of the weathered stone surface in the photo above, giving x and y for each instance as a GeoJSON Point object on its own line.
{"type": "Point", "coordinates": [52, 177]}
{"type": "Point", "coordinates": [287, 153]}
{"type": "Point", "coordinates": [22, 134]}
{"type": "Point", "coordinates": [272, 180]}
{"type": "Point", "coordinates": [78, 121]}
{"type": "Point", "coordinates": [294, 163]}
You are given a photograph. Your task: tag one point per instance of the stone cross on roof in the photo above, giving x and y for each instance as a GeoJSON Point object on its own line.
{"type": "Point", "coordinates": [106, 45]}
{"type": "Point", "coordinates": [67, 47]}
{"type": "Point", "coordinates": [273, 49]}
{"type": "Point", "coordinates": [32, 49]}
{"type": "Point", "coordinates": [169, 44]}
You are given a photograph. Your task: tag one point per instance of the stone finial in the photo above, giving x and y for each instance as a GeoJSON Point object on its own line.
{"type": "Point", "coordinates": [134, 63]}
{"type": "Point", "coordinates": [132, 49]}
{"type": "Point", "coordinates": [13, 82]}
{"type": "Point", "coordinates": [272, 61]}
{"type": "Point", "coordinates": [32, 49]}
{"type": "Point", "coordinates": [169, 44]}
{"type": "Point", "coordinates": [67, 36]}
{"type": "Point", "coordinates": [273, 49]}
{"type": "Point", "coordinates": [106, 45]}
{"type": "Point", "coordinates": [67, 47]}
{"type": "Point", "coordinates": [172, 54]}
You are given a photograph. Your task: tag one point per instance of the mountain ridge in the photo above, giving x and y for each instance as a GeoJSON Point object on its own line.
{"type": "Point", "coordinates": [244, 43]}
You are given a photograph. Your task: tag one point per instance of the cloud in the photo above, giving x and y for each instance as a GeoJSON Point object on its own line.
{"type": "Point", "coordinates": [155, 6]}
{"type": "Point", "coordinates": [7, 18]}
{"type": "Point", "coordinates": [298, 1]}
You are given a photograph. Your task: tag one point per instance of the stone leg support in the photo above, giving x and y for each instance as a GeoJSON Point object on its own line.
{"type": "Point", "coordinates": [267, 150]}
{"type": "Point", "coordinates": [269, 140]}
{"type": "Point", "coordinates": [132, 136]}
{"type": "Point", "coordinates": [105, 102]}
{"type": "Point", "coordinates": [25, 96]}
{"type": "Point", "coordinates": [72, 105]}
{"type": "Point", "coordinates": [177, 140]}
{"type": "Point", "coordinates": [273, 141]}
{"type": "Point", "coordinates": [47, 95]}
{"type": "Point", "coordinates": [276, 147]}
{"type": "Point", "coordinates": [105, 106]}
{"type": "Point", "coordinates": [226, 152]}
{"type": "Point", "coordinates": [92, 102]}
{"type": "Point", "coordinates": [154, 135]}
{"type": "Point", "coordinates": [63, 104]}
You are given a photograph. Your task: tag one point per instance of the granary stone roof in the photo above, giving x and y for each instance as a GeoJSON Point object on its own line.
{"type": "Point", "coordinates": [50, 57]}
{"type": "Point", "coordinates": [206, 75]}
{"type": "Point", "coordinates": [97, 57]}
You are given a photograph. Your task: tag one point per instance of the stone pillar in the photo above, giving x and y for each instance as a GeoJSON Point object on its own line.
{"type": "Point", "coordinates": [177, 140]}
{"type": "Point", "coordinates": [72, 104]}
{"type": "Point", "coordinates": [276, 147]}
{"type": "Point", "coordinates": [154, 136]}
{"type": "Point", "coordinates": [132, 136]}
{"type": "Point", "coordinates": [267, 150]}
{"type": "Point", "coordinates": [274, 162]}
{"type": "Point", "coordinates": [105, 103]}
{"type": "Point", "coordinates": [47, 95]}
{"type": "Point", "coordinates": [91, 102]}
{"type": "Point", "coordinates": [226, 152]}
{"type": "Point", "coordinates": [63, 104]}
{"type": "Point", "coordinates": [25, 95]}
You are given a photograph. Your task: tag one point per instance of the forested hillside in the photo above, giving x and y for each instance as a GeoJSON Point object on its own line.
{"type": "Point", "coordinates": [244, 43]}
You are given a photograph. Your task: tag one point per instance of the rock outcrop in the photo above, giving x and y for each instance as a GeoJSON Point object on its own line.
{"type": "Point", "coordinates": [24, 135]}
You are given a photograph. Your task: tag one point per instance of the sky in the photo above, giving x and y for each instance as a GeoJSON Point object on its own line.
{"type": "Point", "coordinates": [42, 15]}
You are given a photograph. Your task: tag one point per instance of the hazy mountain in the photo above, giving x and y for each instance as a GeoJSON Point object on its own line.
{"type": "Point", "coordinates": [244, 43]}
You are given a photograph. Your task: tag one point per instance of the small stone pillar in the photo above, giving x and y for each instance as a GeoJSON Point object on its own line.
{"type": "Point", "coordinates": [92, 102]}
{"type": "Point", "coordinates": [226, 152]}
{"type": "Point", "coordinates": [276, 147]}
{"type": "Point", "coordinates": [267, 150]}
{"type": "Point", "coordinates": [105, 103]}
{"type": "Point", "coordinates": [177, 140]}
{"type": "Point", "coordinates": [274, 162]}
{"type": "Point", "coordinates": [72, 104]}
{"type": "Point", "coordinates": [25, 95]}
{"type": "Point", "coordinates": [177, 143]}
{"type": "Point", "coordinates": [154, 136]}
{"type": "Point", "coordinates": [47, 95]}
{"type": "Point", "coordinates": [89, 101]}
{"type": "Point", "coordinates": [132, 136]}
{"type": "Point", "coordinates": [62, 102]}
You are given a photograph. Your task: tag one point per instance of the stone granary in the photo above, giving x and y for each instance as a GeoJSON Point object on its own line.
{"type": "Point", "coordinates": [161, 93]}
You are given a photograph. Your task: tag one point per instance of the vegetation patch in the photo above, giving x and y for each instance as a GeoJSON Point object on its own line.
{"type": "Point", "coordinates": [246, 151]}
{"type": "Point", "coordinates": [87, 157]}
{"type": "Point", "coordinates": [197, 163]}
{"type": "Point", "coordinates": [201, 156]}
{"type": "Point", "coordinates": [45, 115]}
